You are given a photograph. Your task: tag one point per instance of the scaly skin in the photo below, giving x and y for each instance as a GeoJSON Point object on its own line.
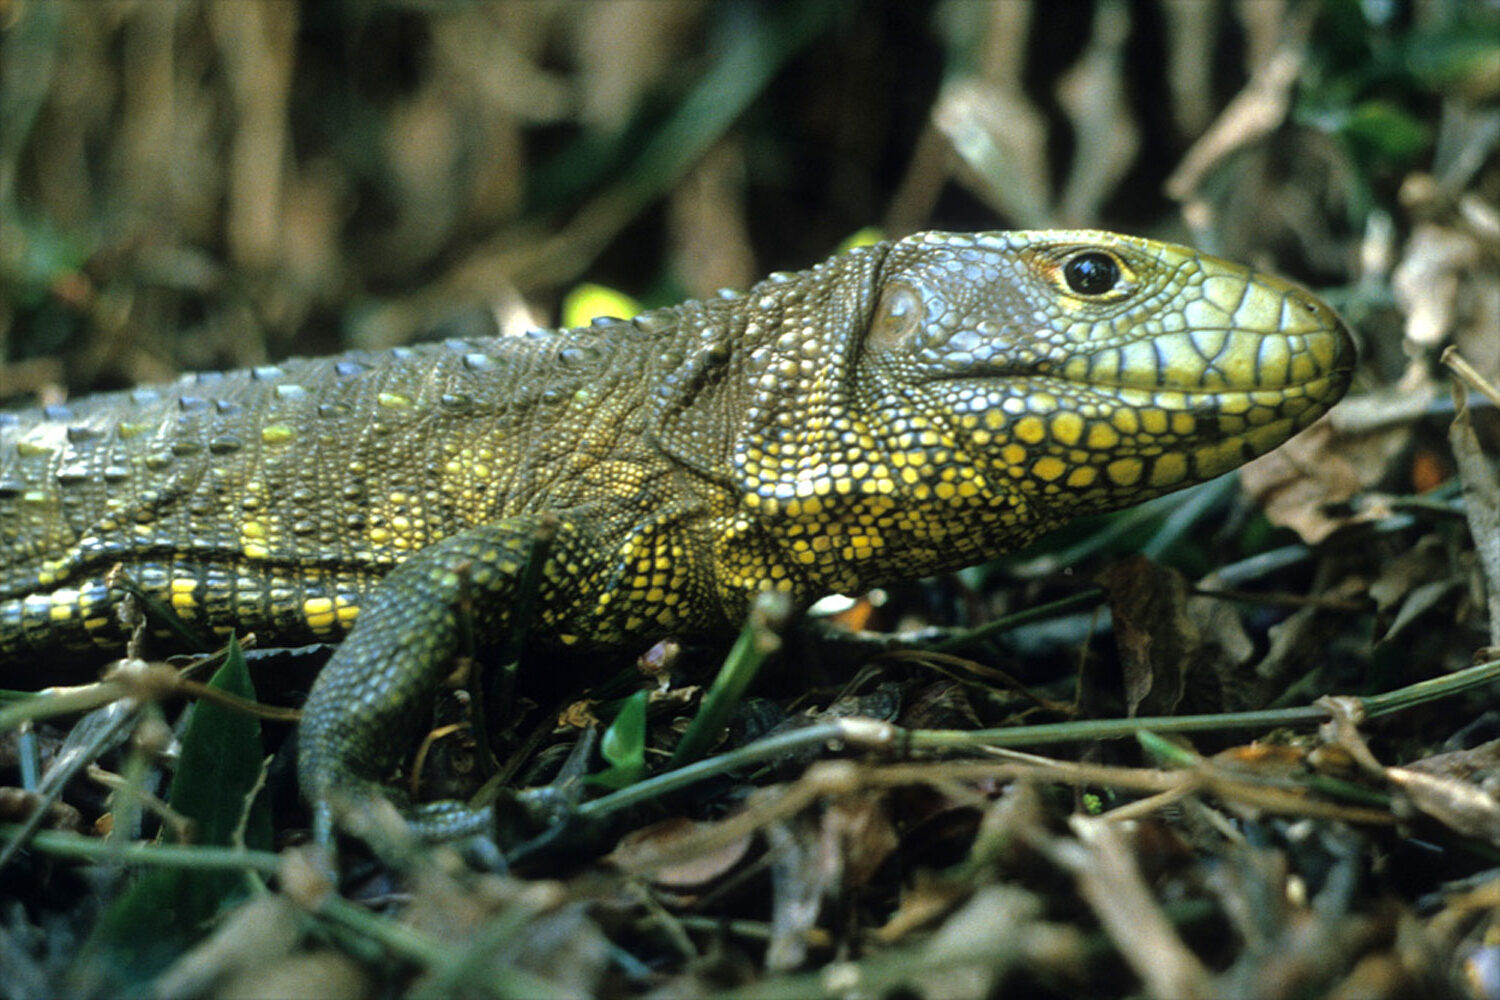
{"type": "Point", "coordinates": [896, 411]}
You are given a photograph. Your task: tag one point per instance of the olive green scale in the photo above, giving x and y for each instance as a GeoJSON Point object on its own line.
{"type": "Point", "coordinates": [895, 411]}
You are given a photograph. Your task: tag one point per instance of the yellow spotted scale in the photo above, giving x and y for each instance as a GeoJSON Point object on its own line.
{"type": "Point", "coordinates": [900, 409]}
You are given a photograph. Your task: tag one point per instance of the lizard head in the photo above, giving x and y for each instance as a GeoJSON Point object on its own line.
{"type": "Point", "coordinates": [1093, 370]}
{"type": "Point", "coordinates": [994, 385]}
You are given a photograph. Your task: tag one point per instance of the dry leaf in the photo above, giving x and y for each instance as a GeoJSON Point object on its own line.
{"type": "Point", "coordinates": [1426, 281]}
{"type": "Point", "coordinates": [858, 826]}
{"type": "Point", "coordinates": [1265, 760]}
{"type": "Point", "coordinates": [1156, 638]}
{"type": "Point", "coordinates": [1297, 482]}
{"type": "Point", "coordinates": [1458, 805]}
{"type": "Point", "coordinates": [656, 852]}
{"type": "Point", "coordinates": [624, 47]}
{"type": "Point", "coordinates": [977, 945]}
{"type": "Point", "coordinates": [1254, 113]}
{"type": "Point", "coordinates": [804, 871]}
{"type": "Point", "coordinates": [1474, 764]}
{"type": "Point", "coordinates": [709, 228]}
{"type": "Point", "coordinates": [943, 704]}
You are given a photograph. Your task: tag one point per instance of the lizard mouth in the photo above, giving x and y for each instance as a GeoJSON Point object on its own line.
{"type": "Point", "coordinates": [1159, 413]}
{"type": "Point", "coordinates": [1217, 362]}
{"type": "Point", "coordinates": [1202, 385]}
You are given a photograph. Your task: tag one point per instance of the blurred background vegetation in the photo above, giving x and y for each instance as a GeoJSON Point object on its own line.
{"type": "Point", "coordinates": [188, 184]}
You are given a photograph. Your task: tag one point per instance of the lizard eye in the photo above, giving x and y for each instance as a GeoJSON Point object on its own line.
{"type": "Point", "coordinates": [1091, 273]}
{"type": "Point", "coordinates": [899, 312]}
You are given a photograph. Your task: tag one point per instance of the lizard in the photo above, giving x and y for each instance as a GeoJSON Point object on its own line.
{"type": "Point", "coordinates": [898, 410]}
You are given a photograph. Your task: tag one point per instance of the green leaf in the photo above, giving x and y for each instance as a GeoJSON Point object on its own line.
{"type": "Point", "coordinates": [1384, 134]}
{"type": "Point", "coordinates": [624, 745]}
{"type": "Point", "coordinates": [167, 909]}
{"type": "Point", "coordinates": [220, 763]}
{"type": "Point", "coordinates": [862, 238]}
{"type": "Point", "coordinates": [587, 301]}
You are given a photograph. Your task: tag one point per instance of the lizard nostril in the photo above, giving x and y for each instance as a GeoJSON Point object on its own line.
{"type": "Point", "coordinates": [1314, 308]}
{"type": "Point", "coordinates": [1323, 314]}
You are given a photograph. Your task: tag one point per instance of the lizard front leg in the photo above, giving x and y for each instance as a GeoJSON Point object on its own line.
{"type": "Point", "coordinates": [368, 705]}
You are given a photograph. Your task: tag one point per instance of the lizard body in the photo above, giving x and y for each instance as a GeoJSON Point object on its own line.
{"type": "Point", "coordinates": [895, 411]}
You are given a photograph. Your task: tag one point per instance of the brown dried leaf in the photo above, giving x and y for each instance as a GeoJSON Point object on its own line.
{"type": "Point", "coordinates": [562, 948]}
{"type": "Point", "coordinates": [494, 52]}
{"type": "Point", "coordinates": [710, 232]}
{"type": "Point", "coordinates": [1414, 583]}
{"type": "Point", "coordinates": [1294, 483]}
{"type": "Point", "coordinates": [1264, 760]}
{"type": "Point", "coordinates": [37, 377]}
{"type": "Point", "coordinates": [1480, 319]}
{"type": "Point", "coordinates": [976, 946]}
{"type": "Point", "coordinates": [1219, 680]}
{"type": "Point", "coordinates": [1253, 114]}
{"type": "Point", "coordinates": [17, 805]}
{"type": "Point", "coordinates": [1191, 26]}
{"type": "Point", "coordinates": [1427, 280]}
{"type": "Point", "coordinates": [453, 911]}
{"type": "Point", "coordinates": [1341, 735]}
{"type": "Point", "coordinates": [1421, 600]}
{"type": "Point", "coordinates": [1009, 826]}
{"type": "Point", "coordinates": [256, 48]}
{"type": "Point", "coordinates": [579, 714]}
{"type": "Point", "coordinates": [656, 852]}
{"type": "Point", "coordinates": [1473, 764]}
{"type": "Point", "coordinates": [1423, 563]}
{"type": "Point", "coordinates": [804, 871]}
{"type": "Point", "coordinates": [883, 702]}
{"type": "Point", "coordinates": [1155, 636]}
{"type": "Point", "coordinates": [944, 704]}
{"type": "Point", "coordinates": [555, 939]}
{"type": "Point", "coordinates": [1379, 975]}
{"type": "Point", "coordinates": [624, 47]}
{"type": "Point", "coordinates": [1460, 806]}
{"type": "Point", "coordinates": [858, 827]}
{"type": "Point", "coordinates": [658, 662]}
{"type": "Point", "coordinates": [1002, 52]}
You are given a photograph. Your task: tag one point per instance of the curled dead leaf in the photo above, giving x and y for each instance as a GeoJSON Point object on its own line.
{"type": "Point", "coordinates": [1296, 483]}
{"type": "Point", "coordinates": [1462, 807]}
{"type": "Point", "coordinates": [672, 855]}
{"type": "Point", "coordinates": [1154, 634]}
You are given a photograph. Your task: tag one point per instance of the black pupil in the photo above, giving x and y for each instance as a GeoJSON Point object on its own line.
{"type": "Point", "coordinates": [1091, 273]}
